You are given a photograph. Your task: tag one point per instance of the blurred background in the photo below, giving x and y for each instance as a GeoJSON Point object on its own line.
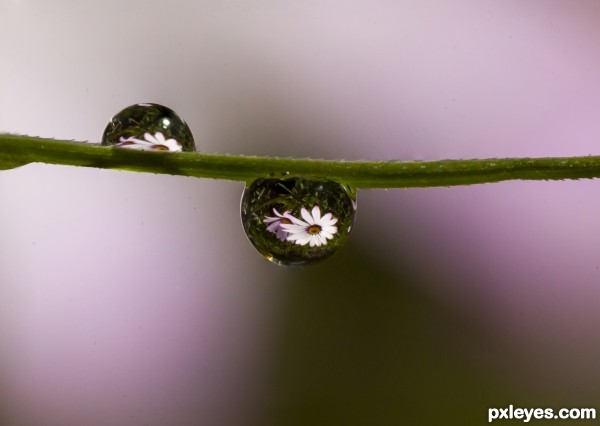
{"type": "Point", "coordinates": [135, 299]}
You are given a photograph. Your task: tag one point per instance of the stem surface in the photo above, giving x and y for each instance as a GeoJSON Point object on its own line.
{"type": "Point", "coordinates": [16, 150]}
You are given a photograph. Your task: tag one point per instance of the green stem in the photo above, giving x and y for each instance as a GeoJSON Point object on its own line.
{"type": "Point", "coordinates": [17, 151]}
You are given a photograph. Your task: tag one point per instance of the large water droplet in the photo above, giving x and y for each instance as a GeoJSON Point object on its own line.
{"type": "Point", "coordinates": [297, 221]}
{"type": "Point", "coordinates": [149, 127]}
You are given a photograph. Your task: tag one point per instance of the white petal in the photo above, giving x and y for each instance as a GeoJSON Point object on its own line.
{"type": "Point", "coordinates": [172, 145]}
{"type": "Point", "coordinates": [150, 138]}
{"type": "Point", "coordinates": [319, 240]}
{"type": "Point", "coordinates": [299, 239]}
{"type": "Point", "coordinates": [160, 138]}
{"type": "Point", "coordinates": [294, 229]}
{"type": "Point", "coordinates": [304, 241]}
{"type": "Point", "coordinates": [134, 140]}
{"type": "Point", "coordinates": [329, 229]}
{"type": "Point", "coordinates": [129, 139]}
{"type": "Point", "coordinates": [306, 216]}
{"type": "Point", "coordinates": [329, 221]}
{"type": "Point", "coordinates": [285, 214]}
{"type": "Point", "coordinates": [326, 218]}
{"type": "Point", "coordinates": [316, 214]}
{"type": "Point", "coordinates": [299, 236]}
{"type": "Point", "coordinates": [274, 227]}
{"type": "Point", "coordinates": [298, 222]}
{"type": "Point", "coordinates": [135, 146]}
{"type": "Point", "coordinates": [325, 235]}
{"type": "Point", "coordinates": [295, 220]}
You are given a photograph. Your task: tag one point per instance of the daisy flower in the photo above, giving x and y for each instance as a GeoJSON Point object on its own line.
{"type": "Point", "coordinates": [275, 223]}
{"type": "Point", "coordinates": [150, 142]}
{"type": "Point", "coordinates": [314, 230]}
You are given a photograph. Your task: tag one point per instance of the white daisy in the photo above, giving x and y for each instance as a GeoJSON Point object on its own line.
{"type": "Point", "coordinates": [150, 142]}
{"type": "Point", "coordinates": [275, 223]}
{"type": "Point", "coordinates": [314, 230]}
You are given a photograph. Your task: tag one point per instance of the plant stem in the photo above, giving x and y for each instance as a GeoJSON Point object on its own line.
{"type": "Point", "coordinates": [17, 151]}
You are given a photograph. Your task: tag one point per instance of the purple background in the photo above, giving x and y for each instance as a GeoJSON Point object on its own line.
{"type": "Point", "coordinates": [135, 299]}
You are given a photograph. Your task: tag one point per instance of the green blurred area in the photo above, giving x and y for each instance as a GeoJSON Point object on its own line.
{"type": "Point", "coordinates": [360, 345]}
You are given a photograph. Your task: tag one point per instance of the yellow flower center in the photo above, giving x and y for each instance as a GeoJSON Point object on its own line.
{"type": "Point", "coordinates": [313, 229]}
{"type": "Point", "coordinates": [159, 148]}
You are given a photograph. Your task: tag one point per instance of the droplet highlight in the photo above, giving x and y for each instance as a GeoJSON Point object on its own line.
{"type": "Point", "coordinates": [150, 127]}
{"type": "Point", "coordinates": [297, 221]}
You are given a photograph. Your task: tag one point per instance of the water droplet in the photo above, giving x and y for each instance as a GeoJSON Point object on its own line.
{"type": "Point", "coordinates": [297, 221]}
{"type": "Point", "coordinates": [149, 127]}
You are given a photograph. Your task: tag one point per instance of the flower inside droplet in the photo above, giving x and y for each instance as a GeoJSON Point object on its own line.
{"type": "Point", "coordinates": [300, 235]}
{"type": "Point", "coordinates": [148, 127]}
{"type": "Point", "coordinates": [314, 230]}
{"type": "Point", "coordinates": [156, 142]}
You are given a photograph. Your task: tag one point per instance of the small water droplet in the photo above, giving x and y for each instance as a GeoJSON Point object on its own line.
{"type": "Point", "coordinates": [149, 127]}
{"type": "Point", "coordinates": [297, 221]}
